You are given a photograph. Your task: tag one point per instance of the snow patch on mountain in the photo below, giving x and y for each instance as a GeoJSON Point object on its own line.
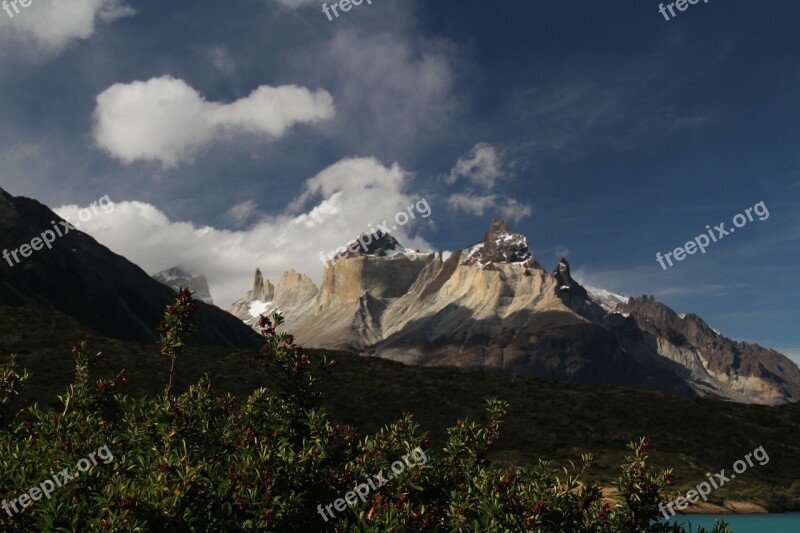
{"type": "Point", "coordinates": [258, 308]}
{"type": "Point", "coordinates": [606, 299]}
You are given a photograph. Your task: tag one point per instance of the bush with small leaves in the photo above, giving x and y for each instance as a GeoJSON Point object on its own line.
{"type": "Point", "coordinates": [271, 462]}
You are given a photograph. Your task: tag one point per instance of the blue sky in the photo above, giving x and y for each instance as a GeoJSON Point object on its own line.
{"type": "Point", "coordinates": [258, 133]}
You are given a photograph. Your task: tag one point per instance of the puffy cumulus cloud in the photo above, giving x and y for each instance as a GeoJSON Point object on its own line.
{"type": "Point", "coordinates": [336, 206]}
{"type": "Point", "coordinates": [481, 169]}
{"type": "Point", "coordinates": [165, 120]}
{"type": "Point", "coordinates": [49, 25]}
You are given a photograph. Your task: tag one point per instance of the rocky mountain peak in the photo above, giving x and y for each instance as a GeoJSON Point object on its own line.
{"type": "Point", "coordinates": [497, 229]}
{"type": "Point", "coordinates": [295, 286]}
{"type": "Point", "coordinates": [179, 278]}
{"type": "Point", "coordinates": [561, 272]}
{"type": "Point", "coordinates": [378, 244]}
{"type": "Point", "coordinates": [263, 290]}
{"type": "Point", "coordinates": [501, 245]}
{"type": "Point", "coordinates": [484, 307]}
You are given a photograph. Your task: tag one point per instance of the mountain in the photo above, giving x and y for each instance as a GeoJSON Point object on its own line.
{"type": "Point", "coordinates": [87, 281]}
{"type": "Point", "coordinates": [177, 278]}
{"type": "Point", "coordinates": [294, 290]}
{"type": "Point", "coordinates": [493, 306]}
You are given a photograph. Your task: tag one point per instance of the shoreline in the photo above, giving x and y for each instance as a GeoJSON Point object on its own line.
{"type": "Point", "coordinates": [731, 507]}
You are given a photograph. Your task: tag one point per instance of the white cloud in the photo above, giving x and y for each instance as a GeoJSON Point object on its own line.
{"type": "Point", "coordinates": [49, 25]}
{"type": "Point", "coordinates": [395, 90]}
{"type": "Point", "coordinates": [342, 201]}
{"type": "Point", "coordinates": [241, 213]}
{"type": "Point", "coordinates": [165, 120]}
{"type": "Point", "coordinates": [482, 168]}
{"type": "Point", "coordinates": [494, 204]}
{"type": "Point", "coordinates": [221, 58]}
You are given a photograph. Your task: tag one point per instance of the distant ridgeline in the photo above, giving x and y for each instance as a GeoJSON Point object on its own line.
{"type": "Point", "coordinates": [493, 306]}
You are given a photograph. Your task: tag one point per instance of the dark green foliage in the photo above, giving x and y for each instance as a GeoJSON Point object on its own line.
{"type": "Point", "coordinates": [201, 461]}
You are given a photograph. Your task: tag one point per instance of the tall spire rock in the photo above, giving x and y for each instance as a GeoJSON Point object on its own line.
{"type": "Point", "coordinates": [263, 290]}
{"type": "Point", "coordinates": [293, 292]}
{"type": "Point", "coordinates": [497, 229]}
{"type": "Point", "coordinates": [561, 272]}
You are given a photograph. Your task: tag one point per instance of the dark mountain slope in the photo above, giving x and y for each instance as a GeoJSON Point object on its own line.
{"type": "Point", "coordinates": [89, 282]}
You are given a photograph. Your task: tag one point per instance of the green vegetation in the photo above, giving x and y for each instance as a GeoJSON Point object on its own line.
{"type": "Point", "coordinates": [177, 456]}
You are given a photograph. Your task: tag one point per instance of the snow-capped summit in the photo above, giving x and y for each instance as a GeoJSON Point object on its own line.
{"type": "Point", "coordinates": [501, 245]}
{"type": "Point", "coordinates": [378, 244]}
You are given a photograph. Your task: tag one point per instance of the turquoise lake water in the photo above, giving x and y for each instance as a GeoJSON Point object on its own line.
{"type": "Point", "coordinates": [756, 523]}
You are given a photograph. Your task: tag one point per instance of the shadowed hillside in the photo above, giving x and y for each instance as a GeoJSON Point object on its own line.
{"type": "Point", "coordinates": [547, 419]}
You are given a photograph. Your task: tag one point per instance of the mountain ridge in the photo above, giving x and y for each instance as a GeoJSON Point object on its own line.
{"type": "Point", "coordinates": [493, 306]}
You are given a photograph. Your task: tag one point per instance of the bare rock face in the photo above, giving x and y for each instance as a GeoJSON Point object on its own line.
{"type": "Point", "coordinates": [741, 371]}
{"type": "Point", "coordinates": [294, 290]}
{"type": "Point", "coordinates": [492, 306]}
{"type": "Point", "coordinates": [382, 278]}
{"type": "Point", "coordinates": [262, 289]}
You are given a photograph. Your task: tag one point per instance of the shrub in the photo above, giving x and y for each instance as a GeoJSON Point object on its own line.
{"type": "Point", "coordinates": [275, 461]}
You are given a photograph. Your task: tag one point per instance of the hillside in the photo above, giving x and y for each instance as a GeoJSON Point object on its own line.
{"type": "Point", "coordinates": [82, 278]}
{"type": "Point", "coordinates": [547, 419]}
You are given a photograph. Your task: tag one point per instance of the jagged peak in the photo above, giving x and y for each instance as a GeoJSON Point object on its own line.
{"type": "Point", "coordinates": [501, 245]}
{"type": "Point", "coordinates": [497, 229]}
{"type": "Point", "coordinates": [173, 273]}
{"type": "Point", "coordinates": [179, 277]}
{"type": "Point", "coordinates": [263, 290]}
{"type": "Point", "coordinates": [562, 273]}
{"type": "Point", "coordinates": [379, 243]}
